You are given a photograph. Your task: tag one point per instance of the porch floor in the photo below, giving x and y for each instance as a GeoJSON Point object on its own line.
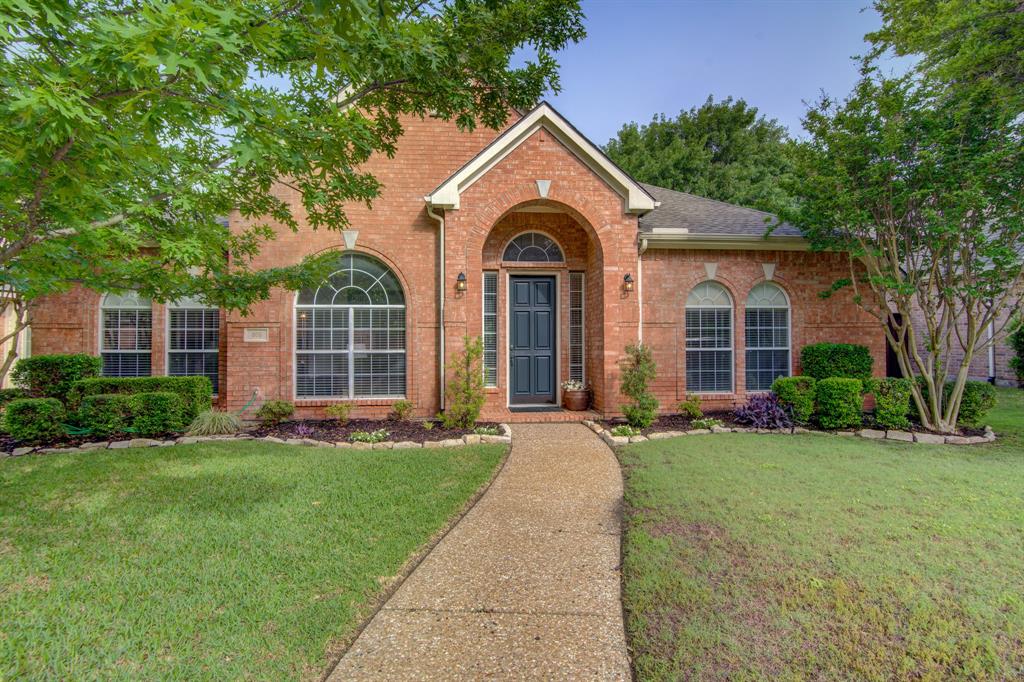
{"type": "Point", "coordinates": [555, 415]}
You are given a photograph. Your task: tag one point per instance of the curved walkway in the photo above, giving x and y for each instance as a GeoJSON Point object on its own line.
{"type": "Point", "coordinates": [526, 585]}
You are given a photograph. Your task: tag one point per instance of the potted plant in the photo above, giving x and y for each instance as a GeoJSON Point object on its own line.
{"type": "Point", "coordinates": [575, 395]}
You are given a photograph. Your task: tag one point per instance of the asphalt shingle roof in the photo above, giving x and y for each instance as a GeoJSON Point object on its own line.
{"type": "Point", "coordinates": [700, 215]}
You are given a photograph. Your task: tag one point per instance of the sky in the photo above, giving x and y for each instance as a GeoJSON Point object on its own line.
{"type": "Point", "coordinates": [643, 57]}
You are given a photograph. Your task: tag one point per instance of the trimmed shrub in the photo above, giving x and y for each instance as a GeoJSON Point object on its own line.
{"type": "Point", "coordinates": [274, 412]}
{"type": "Point", "coordinates": [339, 411]}
{"type": "Point", "coordinates": [105, 414]}
{"type": "Point", "coordinates": [838, 402]}
{"type": "Point", "coordinates": [892, 403]}
{"type": "Point", "coordinates": [764, 411]}
{"type": "Point", "coordinates": [690, 406]}
{"type": "Point", "coordinates": [156, 413]}
{"type": "Point", "coordinates": [6, 396]}
{"type": "Point", "coordinates": [196, 392]}
{"type": "Point", "coordinates": [35, 420]}
{"type": "Point", "coordinates": [978, 399]}
{"type": "Point", "coordinates": [637, 373]}
{"type": "Point", "coordinates": [796, 395]}
{"type": "Point", "coordinates": [52, 376]}
{"type": "Point", "coordinates": [402, 409]}
{"type": "Point", "coordinates": [465, 389]}
{"type": "Point", "coordinates": [827, 360]}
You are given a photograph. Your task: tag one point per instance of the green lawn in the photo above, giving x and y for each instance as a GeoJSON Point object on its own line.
{"type": "Point", "coordinates": [212, 561]}
{"type": "Point", "coordinates": [824, 557]}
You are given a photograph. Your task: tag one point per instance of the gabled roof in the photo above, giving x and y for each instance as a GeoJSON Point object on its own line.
{"type": "Point", "coordinates": [703, 216]}
{"type": "Point", "coordinates": [636, 198]}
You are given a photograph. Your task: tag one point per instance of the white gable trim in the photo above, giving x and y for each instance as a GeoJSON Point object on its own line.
{"type": "Point", "coordinates": [447, 195]}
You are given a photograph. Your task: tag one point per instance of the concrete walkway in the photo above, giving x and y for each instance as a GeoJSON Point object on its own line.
{"type": "Point", "coordinates": [525, 586]}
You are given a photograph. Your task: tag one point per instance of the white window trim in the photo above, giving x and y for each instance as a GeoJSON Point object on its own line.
{"type": "Point", "coordinates": [483, 322]}
{"type": "Point", "coordinates": [583, 323]}
{"type": "Point", "coordinates": [100, 335]}
{"type": "Point", "coordinates": [732, 340]}
{"type": "Point", "coordinates": [789, 333]}
{"type": "Point", "coordinates": [167, 339]}
{"type": "Point", "coordinates": [543, 233]}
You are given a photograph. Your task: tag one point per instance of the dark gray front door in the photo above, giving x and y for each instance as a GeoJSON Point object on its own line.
{"type": "Point", "coordinates": [532, 339]}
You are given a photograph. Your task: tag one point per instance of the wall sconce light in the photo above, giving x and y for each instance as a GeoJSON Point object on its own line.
{"type": "Point", "coordinates": [627, 282]}
{"type": "Point", "coordinates": [460, 282]}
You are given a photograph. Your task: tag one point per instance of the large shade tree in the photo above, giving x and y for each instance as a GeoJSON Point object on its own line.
{"type": "Point", "coordinates": [920, 179]}
{"type": "Point", "coordinates": [723, 150]}
{"type": "Point", "coordinates": [130, 128]}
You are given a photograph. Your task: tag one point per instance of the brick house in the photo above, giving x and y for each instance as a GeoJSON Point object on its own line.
{"type": "Point", "coordinates": [529, 238]}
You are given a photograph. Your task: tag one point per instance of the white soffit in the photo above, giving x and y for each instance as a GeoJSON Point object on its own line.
{"type": "Point", "coordinates": [637, 200]}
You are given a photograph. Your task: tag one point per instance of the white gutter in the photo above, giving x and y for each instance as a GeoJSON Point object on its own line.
{"type": "Point", "coordinates": [682, 239]}
{"type": "Point", "coordinates": [991, 354]}
{"type": "Point", "coordinates": [440, 300]}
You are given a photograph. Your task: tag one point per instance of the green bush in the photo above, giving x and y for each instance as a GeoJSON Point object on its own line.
{"type": "Point", "coordinates": [637, 373]}
{"type": "Point", "coordinates": [978, 399]}
{"type": "Point", "coordinates": [827, 360]}
{"type": "Point", "coordinates": [156, 413]}
{"type": "Point", "coordinates": [690, 406]}
{"type": "Point", "coordinates": [838, 402]}
{"type": "Point", "coordinates": [196, 392]}
{"type": "Point", "coordinates": [6, 396]}
{"type": "Point", "coordinates": [274, 412]}
{"type": "Point", "coordinates": [215, 423]}
{"type": "Point", "coordinates": [892, 403]}
{"type": "Point", "coordinates": [465, 390]}
{"type": "Point", "coordinates": [105, 414]}
{"type": "Point", "coordinates": [1016, 341]}
{"type": "Point", "coordinates": [402, 409]}
{"type": "Point", "coordinates": [339, 411]}
{"type": "Point", "coordinates": [797, 395]}
{"type": "Point", "coordinates": [35, 420]}
{"type": "Point", "coordinates": [52, 376]}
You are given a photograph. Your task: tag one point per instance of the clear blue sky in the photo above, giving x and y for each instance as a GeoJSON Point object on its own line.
{"type": "Point", "coordinates": [642, 57]}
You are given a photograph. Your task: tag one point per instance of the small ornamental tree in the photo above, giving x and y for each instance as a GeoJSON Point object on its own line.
{"type": "Point", "coordinates": [920, 183]}
{"type": "Point", "coordinates": [128, 131]}
{"type": "Point", "coordinates": [637, 373]}
{"type": "Point", "coordinates": [464, 388]}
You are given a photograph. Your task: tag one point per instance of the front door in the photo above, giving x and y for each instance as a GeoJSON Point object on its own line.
{"type": "Point", "coordinates": [532, 340]}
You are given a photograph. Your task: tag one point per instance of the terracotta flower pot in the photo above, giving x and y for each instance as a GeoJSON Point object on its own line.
{"type": "Point", "coordinates": [575, 400]}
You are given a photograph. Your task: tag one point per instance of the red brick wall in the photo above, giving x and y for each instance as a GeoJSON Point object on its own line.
{"type": "Point", "coordinates": [669, 275]}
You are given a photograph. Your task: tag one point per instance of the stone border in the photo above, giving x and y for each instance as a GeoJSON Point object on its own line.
{"type": "Point", "coordinates": [874, 434]}
{"type": "Point", "coordinates": [468, 439]}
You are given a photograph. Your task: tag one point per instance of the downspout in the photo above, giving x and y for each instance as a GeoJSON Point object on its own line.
{"type": "Point", "coordinates": [640, 288]}
{"type": "Point", "coordinates": [440, 302]}
{"type": "Point", "coordinates": [991, 355]}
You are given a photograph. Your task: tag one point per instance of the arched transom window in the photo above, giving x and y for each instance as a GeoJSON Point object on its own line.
{"type": "Point", "coordinates": [767, 332]}
{"type": "Point", "coordinates": [350, 333]}
{"type": "Point", "coordinates": [126, 341]}
{"type": "Point", "coordinates": [533, 247]}
{"type": "Point", "coordinates": [709, 359]}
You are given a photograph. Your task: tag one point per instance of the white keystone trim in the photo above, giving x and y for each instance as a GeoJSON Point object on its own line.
{"type": "Point", "coordinates": [447, 195]}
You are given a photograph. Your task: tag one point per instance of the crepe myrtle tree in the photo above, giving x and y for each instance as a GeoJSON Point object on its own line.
{"type": "Point", "coordinates": [130, 128]}
{"type": "Point", "coordinates": [922, 184]}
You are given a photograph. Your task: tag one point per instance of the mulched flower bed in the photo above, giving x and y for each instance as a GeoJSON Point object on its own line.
{"type": "Point", "coordinates": [332, 431]}
{"type": "Point", "coordinates": [675, 422]}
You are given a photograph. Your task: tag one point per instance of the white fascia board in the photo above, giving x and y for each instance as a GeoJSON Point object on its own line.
{"type": "Point", "coordinates": [682, 240]}
{"type": "Point", "coordinates": [447, 194]}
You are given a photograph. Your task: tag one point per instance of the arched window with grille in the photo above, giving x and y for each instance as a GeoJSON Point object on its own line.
{"type": "Point", "coordinates": [126, 335]}
{"type": "Point", "coordinates": [767, 336]}
{"type": "Point", "coordinates": [533, 247]}
{"type": "Point", "coordinates": [709, 355]}
{"type": "Point", "coordinates": [193, 340]}
{"type": "Point", "coordinates": [350, 333]}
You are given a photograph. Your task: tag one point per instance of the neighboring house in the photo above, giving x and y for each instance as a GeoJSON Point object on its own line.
{"type": "Point", "coordinates": [530, 238]}
{"type": "Point", "coordinates": [8, 323]}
